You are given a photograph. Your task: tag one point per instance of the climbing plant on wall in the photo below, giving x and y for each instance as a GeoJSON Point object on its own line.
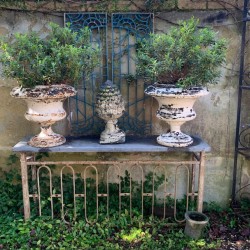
{"type": "Point", "coordinates": [108, 5]}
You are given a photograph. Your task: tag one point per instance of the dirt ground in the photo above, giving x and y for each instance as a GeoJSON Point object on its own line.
{"type": "Point", "coordinates": [231, 229]}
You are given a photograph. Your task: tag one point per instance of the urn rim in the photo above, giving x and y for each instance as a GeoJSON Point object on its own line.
{"type": "Point", "coordinates": [162, 90]}
{"type": "Point", "coordinates": [44, 92]}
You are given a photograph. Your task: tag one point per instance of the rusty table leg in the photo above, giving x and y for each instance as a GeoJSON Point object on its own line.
{"type": "Point", "coordinates": [192, 179]}
{"type": "Point", "coordinates": [201, 181]}
{"type": "Point", "coordinates": [25, 185]}
{"type": "Point", "coordinates": [34, 178]}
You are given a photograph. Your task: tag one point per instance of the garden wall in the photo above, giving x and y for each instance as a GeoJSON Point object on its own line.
{"type": "Point", "coordinates": [216, 113]}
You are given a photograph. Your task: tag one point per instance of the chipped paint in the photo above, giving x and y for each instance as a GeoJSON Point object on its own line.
{"type": "Point", "coordinates": [45, 107]}
{"type": "Point", "coordinates": [175, 108]}
{"type": "Point", "coordinates": [42, 92]}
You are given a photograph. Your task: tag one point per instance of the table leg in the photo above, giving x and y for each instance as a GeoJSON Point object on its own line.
{"type": "Point", "coordinates": [34, 179]}
{"type": "Point", "coordinates": [25, 185]}
{"type": "Point", "coordinates": [201, 181]}
{"type": "Point", "coordinates": [192, 179]}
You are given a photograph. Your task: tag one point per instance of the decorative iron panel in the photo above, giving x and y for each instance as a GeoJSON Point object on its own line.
{"type": "Point", "coordinates": [82, 111]}
{"type": "Point", "coordinates": [242, 139]}
{"type": "Point", "coordinates": [127, 30]}
{"type": "Point", "coordinates": [243, 121]}
{"type": "Point", "coordinates": [118, 53]}
{"type": "Point", "coordinates": [244, 84]}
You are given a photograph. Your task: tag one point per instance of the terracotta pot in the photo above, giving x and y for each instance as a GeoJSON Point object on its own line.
{"type": "Point", "coordinates": [195, 223]}
{"type": "Point", "coordinates": [176, 108]}
{"type": "Point", "coordinates": [45, 106]}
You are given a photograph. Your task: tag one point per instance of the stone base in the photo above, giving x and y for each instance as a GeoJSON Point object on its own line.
{"type": "Point", "coordinates": [48, 141]}
{"type": "Point", "coordinates": [175, 139]}
{"type": "Point", "coordinates": [116, 137]}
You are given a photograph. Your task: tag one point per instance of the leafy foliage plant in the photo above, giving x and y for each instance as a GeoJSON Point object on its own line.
{"type": "Point", "coordinates": [186, 56]}
{"type": "Point", "coordinates": [63, 57]}
{"type": "Point", "coordinates": [115, 232]}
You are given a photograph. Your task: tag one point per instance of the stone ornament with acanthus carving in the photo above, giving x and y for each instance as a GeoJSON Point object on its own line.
{"type": "Point", "coordinates": [109, 107]}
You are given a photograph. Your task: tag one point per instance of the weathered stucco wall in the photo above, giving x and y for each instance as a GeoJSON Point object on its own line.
{"type": "Point", "coordinates": [216, 113]}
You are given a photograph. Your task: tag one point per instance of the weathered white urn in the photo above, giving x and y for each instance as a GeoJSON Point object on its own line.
{"type": "Point", "coordinates": [109, 107]}
{"type": "Point", "coordinates": [45, 106]}
{"type": "Point", "coordinates": [176, 108]}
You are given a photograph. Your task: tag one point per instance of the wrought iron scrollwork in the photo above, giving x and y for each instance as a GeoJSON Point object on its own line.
{"type": "Point", "coordinates": [246, 76]}
{"type": "Point", "coordinates": [242, 140]}
{"type": "Point", "coordinates": [83, 119]}
{"type": "Point", "coordinates": [244, 136]}
{"type": "Point", "coordinates": [117, 62]}
{"type": "Point", "coordinates": [127, 30]}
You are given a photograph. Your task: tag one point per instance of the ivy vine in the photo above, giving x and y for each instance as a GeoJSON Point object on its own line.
{"type": "Point", "coordinates": [100, 5]}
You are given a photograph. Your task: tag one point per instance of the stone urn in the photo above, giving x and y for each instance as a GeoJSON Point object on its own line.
{"type": "Point", "coordinates": [45, 107]}
{"type": "Point", "coordinates": [175, 108]}
{"type": "Point", "coordinates": [195, 223]}
{"type": "Point", "coordinates": [109, 107]}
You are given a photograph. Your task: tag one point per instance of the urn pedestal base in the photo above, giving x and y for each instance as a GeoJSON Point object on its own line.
{"type": "Point", "coordinates": [175, 139]}
{"type": "Point", "coordinates": [46, 138]}
{"type": "Point", "coordinates": [112, 134]}
{"type": "Point", "coordinates": [117, 137]}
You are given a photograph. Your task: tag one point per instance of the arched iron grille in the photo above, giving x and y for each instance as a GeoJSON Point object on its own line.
{"type": "Point", "coordinates": [82, 119]}
{"type": "Point", "coordinates": [117, 36]}
{"type": "Point", "coordinates": [242, 140]}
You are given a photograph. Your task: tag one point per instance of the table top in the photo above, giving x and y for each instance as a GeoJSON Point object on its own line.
{"type": "Point", "coordinates": [132, 144]}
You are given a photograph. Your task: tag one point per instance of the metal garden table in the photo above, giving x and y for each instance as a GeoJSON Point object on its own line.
{"type": "Point", "coordinates": [195, 152]}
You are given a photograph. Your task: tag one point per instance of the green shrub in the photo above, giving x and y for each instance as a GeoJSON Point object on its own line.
{"type": "Point", "coordinates": [45, 233]}
{"type": "Point", "coordinates": [115, 232]}
{"type": "Point", "coordinates": [186, 56]}
{"type": "Point", "coordinates": [11, 190]}
{"type": "Point", "coordinates": [63, 57]}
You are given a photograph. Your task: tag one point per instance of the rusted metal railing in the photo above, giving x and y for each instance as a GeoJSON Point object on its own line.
{"type": "Point", "coordinates": [189, 170]}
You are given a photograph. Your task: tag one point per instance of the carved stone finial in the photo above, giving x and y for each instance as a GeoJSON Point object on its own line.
{"type": "Point", "coordinates": [109, 107]}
